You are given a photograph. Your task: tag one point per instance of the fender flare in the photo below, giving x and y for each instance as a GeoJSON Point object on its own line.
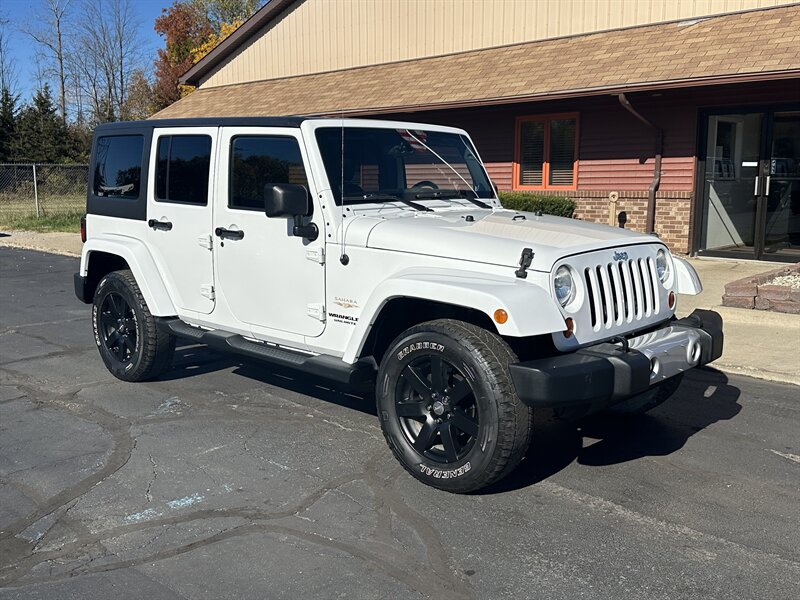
{"type": "Point", "coordinates": [142, 265]}
{"type": "Point", "coordinates": [687, 281]}
{"type": "Point", "coordinates": [531, 311]}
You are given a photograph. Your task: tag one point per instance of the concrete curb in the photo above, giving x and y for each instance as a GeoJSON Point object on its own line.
{"type": "Point", "coordinates": [749, 316]}
{"type": "Point", "coordinates": [64, 244]}
{"type": "Point", "coordinates": [730, 369]}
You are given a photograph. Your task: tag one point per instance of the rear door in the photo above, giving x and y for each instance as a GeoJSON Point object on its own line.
{"type": "Point", "coordinates": [270, 278]}
{"type": "Point", "coordinates": [179, 208]}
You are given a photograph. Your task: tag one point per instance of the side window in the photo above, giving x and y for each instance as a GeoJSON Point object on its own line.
{"type": "Point", "coordinates": [182, 169]}
{"type": "Point", "coordinates": [260, 160]}
{"type": "Point", "coordinates": [118, 166]}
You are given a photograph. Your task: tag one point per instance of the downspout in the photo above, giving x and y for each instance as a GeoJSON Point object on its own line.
{"type": "Point", "coordinates": [656, 182]}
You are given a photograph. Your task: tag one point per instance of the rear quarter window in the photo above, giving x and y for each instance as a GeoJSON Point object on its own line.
{"type": "Point", "coordinates": [118, 166]}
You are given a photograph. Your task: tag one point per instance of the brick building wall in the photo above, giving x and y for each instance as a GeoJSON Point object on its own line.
{"type": "Point", "coordinates": [673, 212]}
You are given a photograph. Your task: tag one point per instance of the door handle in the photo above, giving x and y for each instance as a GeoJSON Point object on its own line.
{"type": "Point", "coordinates": [163, 225]}
{"type": "Point", "coordinates": [755, 187]}
{"type": "Point", "coordinates": [229, 234]}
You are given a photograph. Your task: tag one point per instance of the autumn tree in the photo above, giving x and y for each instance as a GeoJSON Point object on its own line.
{"type": "Point", "coordinates": [139, 101]}
{"type": "Point", "coordinates": [191, 29]}
{"type": "Point", "coordinates": [220, 13]}
{"type": "Point", "coordinates": [184, 28]}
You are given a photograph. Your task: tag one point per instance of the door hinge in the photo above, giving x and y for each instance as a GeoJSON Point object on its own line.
{"type": "Point", "coordinates": [317, 311]}
{"type": "Point", "coordinates": [206, 241]}
{"type": "Point", "coordinates": [207, 290]}
{"type": "Point", "coordinates": [316, 254]}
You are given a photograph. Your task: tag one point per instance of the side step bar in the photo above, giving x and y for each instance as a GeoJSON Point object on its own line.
{"type": "Point", "coordinates": [328, 367]}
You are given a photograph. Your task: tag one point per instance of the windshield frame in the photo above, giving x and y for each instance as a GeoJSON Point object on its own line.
{"type": "Point", "coordinates": [427, 145]}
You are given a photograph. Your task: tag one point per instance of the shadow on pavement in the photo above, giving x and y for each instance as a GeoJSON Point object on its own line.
{"type": "Point", "coordinates": [705, 397]}
{"type": "Point", "coordinates": [193, 360]}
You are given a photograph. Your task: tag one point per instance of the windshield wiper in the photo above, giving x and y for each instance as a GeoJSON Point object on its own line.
{"type": "Point", "coordinates": [367, 198]}
{"type": "Point", "coordinates": [450, 194]}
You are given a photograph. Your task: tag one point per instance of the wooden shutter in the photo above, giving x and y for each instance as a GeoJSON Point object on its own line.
{"type": "Point", "coordinates": [531, 163]}
{"type": "Point", "coordinates": [561, 157]}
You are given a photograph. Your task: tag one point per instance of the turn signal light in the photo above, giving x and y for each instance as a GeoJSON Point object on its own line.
{"type": "Point", "coordinates": [500, 316]}
{"type": "Point", "coordinates": [570, 323]}
{"type": "Point", "coordinates": [671, 300]}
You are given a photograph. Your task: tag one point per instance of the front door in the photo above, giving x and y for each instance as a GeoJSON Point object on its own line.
{"type": "Point", "coordinates": [179, 204]}
{"type": "Point", "coordinates": [271, 279]}
{"type": "Point", "coordinates": [781, 220]}
{"type": "Point", "coordinates": [751, 181]}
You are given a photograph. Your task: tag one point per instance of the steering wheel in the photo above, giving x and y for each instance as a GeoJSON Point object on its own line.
{"type": "Point", "coordinates": [425, 184]}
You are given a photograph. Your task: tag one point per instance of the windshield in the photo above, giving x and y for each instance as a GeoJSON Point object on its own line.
{"type": "Point", "coordinates": [382, 165]}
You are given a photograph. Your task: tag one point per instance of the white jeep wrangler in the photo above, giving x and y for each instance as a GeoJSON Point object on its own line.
{"type": "Point", "coordinates": [377, 251]}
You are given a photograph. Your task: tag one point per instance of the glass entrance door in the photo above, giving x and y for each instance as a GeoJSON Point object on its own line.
{"type": "Point", "coordinates": [751, 185]}
{"type": "Point", "coordinates": [782, 189]}
{"type": "Point", "coordinates": [730, 187]}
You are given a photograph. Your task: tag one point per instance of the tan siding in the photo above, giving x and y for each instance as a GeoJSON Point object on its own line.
{"type": "Point", "coordinates": [315, 36]}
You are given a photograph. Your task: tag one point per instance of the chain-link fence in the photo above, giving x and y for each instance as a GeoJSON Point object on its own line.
{"type": "Point", "coordinates": [42, 190]}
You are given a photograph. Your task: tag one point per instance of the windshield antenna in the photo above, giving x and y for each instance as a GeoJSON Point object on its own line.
{"type": "Point", "coordinates": [343, 258]}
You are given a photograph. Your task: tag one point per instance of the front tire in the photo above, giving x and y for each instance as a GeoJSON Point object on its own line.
{"type": "Point", "coordinates": [130, 344]}
{"type": "Point", "coordinates": [448, 407]}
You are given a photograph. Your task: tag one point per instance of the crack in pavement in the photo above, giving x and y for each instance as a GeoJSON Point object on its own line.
{"type": "Point", "coordinates": [148, 496]}
{"type": "Point", "coordinates": [439, 577]}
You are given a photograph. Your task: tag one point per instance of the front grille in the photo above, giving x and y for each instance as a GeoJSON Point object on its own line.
{"type": "Point", "coordinates": [621, 292]}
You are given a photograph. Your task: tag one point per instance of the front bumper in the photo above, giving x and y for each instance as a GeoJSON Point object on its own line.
{"type": "Point", "coordinates": [607, 373]}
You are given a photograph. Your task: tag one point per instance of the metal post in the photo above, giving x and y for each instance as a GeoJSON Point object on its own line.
{"type": "Point", "coordinates": [35, 191]}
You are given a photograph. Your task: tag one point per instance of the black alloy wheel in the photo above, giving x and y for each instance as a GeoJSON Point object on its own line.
{"type": "Point", "coordinates": [436, 407]}
{"type": "Point", "coordinates": [118, 327]}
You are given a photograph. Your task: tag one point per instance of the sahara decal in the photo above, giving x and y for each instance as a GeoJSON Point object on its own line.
{"type": "Point", "coordinates": [345, 302]}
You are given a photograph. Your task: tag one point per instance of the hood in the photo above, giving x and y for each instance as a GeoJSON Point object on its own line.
{"type": "Point", "coordinates": [497, 237]}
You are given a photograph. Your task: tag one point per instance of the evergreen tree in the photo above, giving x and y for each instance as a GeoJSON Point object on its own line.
{"type": "Point", "coordinates": [8, 124]}
{"type": "Point", "coordinates": [40, 136]}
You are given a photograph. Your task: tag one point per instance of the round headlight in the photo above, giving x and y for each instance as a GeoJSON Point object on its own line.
{"type": "Point", "coordinates": [563, 285]}
{"type": "Point", "coordinates": [662, 266]}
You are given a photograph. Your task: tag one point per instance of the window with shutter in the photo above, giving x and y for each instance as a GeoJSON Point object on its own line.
{"type": "Point", "coordinates": [531, 153]}
{"type": "Point", "coordinates": [546, 153]}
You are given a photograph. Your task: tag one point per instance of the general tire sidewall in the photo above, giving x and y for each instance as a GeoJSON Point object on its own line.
{"type": "Point", "coordinates": [471, 466]}
{"type": "Point", "coordinates": [113, 283]}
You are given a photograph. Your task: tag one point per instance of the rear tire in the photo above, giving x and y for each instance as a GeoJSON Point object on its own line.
{"type": "Point", "coordinates": [448, 407]}
{"type": "Point", "coordinates": [641, 403]}
{"type": "Point", "coordinates": [130, 344]}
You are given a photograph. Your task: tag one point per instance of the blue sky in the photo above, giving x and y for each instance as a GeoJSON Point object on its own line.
{"type": "Point", "coordinates": [23, 48]}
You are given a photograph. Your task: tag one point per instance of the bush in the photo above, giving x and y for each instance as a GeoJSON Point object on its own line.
{"type": "Point", "coordinates": [531, 202]}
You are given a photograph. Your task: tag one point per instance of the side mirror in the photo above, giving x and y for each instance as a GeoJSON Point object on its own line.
{"type": "Point", "coordinates": [290, 200]}
{"type": "Point", "coordinates": [286, 200]}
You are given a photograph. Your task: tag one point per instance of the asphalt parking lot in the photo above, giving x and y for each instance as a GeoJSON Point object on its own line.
{"type": "Point", "coordinates": [226, 480]}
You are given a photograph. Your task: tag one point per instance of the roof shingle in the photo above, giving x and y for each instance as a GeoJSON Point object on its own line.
{"type": "Point", "coordinates": [761, 43]}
